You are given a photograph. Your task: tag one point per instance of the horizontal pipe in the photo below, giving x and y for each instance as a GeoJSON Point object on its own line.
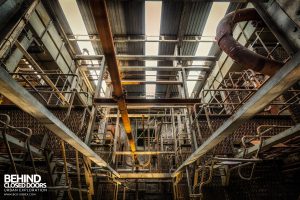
{"type": "Point", "coordinates": [145, 175]}
{"type": "Point", "coordinates": [152, 68]}
{"type": "Point", "coordinates": [237, 159]}
{"type": "Point", "coordinates": [144, 152]}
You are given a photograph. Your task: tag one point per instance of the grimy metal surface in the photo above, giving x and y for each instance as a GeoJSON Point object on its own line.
{"type": "Point", "coordinates": [153, 68]}
{"type": "Point", "coordinates": [276, 139]}
{"type": "Point", "coordinates": [25, 101]}
{"type": "Point", "coordinates": [236, 51]}
{"type": "Point", "coordinates": [102, 22]}
{"type": "Point", "coordinates": [143, 57]}
{"type": "Point", "coordinates": [148, 102]}
{"type": "Point", "coordinates": [277, 84]}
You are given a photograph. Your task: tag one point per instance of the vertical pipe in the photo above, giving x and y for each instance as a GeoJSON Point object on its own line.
{"type": "Point", "coordinates": [116, 190]}
{"type": "Point", "coordinates": [124, 193]}
{"type": "Point", "coordinates": [78, 175]}
{"type": "Point", "coordinates": [101, 75]}
{"type": "Point", "coordinates": [188, 180]}
{"type": "Point", "coordinates": [174, 134]}
{"type": "Point", "coordinates": [117, 134]}
{"type": "Point", "coordinates": [68, 183]}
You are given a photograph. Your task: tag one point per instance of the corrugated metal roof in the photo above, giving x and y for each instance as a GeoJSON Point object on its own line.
{"type": "Point", "coordinates": [191, 16]}
{"type": "Point", "coordinates": [128, 18]}
{"type": "Point", "coordinates": [198, 14]}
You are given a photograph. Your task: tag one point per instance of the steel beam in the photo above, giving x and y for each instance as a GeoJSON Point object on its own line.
{"type": "Point", "coordinates": [145, 115]}
{"type": "Point", "coordinates": [144, 82]}
{"type": "Point", "coordinates": [144, 152]}
{"type": "Point", "coordinates": [163, 39]}
{"type": "Point", "coordinates": [143, 107]}
{"type": "Point", "coordinates": [23, 99]}
{"type": "Point", "coordinates": [22, 145]}
{"type": "Point", "coordinates": [145, 175]}
{"type": "Point", "coordinates": [277, 84]}
{"type": "Point", "coordinates": [148, 102]}
{"type": "Point", "coordinates": [153, 68]}
{"type": "Point", "coordinates": [145, 57]}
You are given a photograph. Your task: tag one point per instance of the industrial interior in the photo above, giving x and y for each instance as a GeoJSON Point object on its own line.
{"type": "Point", "coordinates": [151, 100]}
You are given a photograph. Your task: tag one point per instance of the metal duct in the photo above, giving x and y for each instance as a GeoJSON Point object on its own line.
{"type": "Point", "coordinates": [99, 10]}
{"type": "Point", "coordinates": [236, 51]}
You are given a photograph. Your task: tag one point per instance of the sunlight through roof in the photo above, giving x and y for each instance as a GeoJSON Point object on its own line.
{"type": "Point", "coordinates": [75, 20]}
{"type": "Point", "coordinates": [217, 12]}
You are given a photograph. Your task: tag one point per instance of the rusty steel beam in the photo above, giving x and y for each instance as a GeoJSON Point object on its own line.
{"type": "Point", "coordinates": [99, 10]}
{"type": "Point", "coordinates": [145, 176]}
{"type": "Point", "coordinates": [149, 57]}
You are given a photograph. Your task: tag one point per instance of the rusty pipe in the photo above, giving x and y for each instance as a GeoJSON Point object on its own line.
{"type": "Point", "coordinates": [99, 10]}
{"type": "Point", "coordinates": [236, 51]}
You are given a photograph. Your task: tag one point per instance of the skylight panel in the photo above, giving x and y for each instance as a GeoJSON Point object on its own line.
{"type": "Point", "coordinates": [75, 20]}
{"type": "Point", "coordinates": [217, 12]}
{"type": "Point", "coordinates": [152, 28]}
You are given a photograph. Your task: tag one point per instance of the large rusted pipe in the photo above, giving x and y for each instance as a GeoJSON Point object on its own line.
{"type": "Point", "coordinates": [102, 22]}
{"type": "Point", "coordinates": [236, 51]}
